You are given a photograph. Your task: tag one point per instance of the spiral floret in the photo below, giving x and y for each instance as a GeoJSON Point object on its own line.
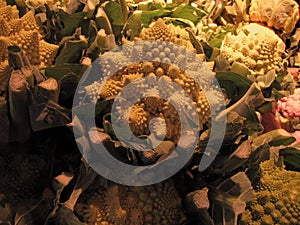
{"type": "Point", "coordinates": [124, 205]}
{"type": "Point", "coordinates": [255, 46]}
{"type": "Point", "coordinates": [276, 197]}
{"type": "Point", "coordinates": [156, 78]}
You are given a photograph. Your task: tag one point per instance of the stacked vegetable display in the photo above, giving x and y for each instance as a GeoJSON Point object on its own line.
{"type": "Point", "coordinates": [252, 49]}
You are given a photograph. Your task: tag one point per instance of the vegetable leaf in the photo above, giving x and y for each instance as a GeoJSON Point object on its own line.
{"type": "Point", "coordinates": [234, 84]}
{"type": "Point", "coordinates": [291, 158]}
{"type": "Point", "coordinates": [186, 12]}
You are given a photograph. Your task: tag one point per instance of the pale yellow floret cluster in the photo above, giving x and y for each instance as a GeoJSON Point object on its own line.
{"type": "Point", "coordinates": [257, 47]}
{"type": "Point", "coordinates": [162, 32]}
{"type": "Point", "coordinates": [47, 53]}
{"type": "Point", "coordinates": [25, 33]}
{"type": "Point", "coordinates": [123, 205]}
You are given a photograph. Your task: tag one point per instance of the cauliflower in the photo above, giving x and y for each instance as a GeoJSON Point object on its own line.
{"type": "Point", "coordinates": [289, 106]}
{"type": "Point", "coordinates": [288, 110]}
{"type": "Point", "coordinates": [276, 197]}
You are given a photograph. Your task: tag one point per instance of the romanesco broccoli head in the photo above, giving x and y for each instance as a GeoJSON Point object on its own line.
{"type": "Point", "coordinates": [276, 197]}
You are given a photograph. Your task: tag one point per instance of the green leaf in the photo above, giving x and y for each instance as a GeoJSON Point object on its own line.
{"type": "Point", "coordinates": [148, 17]}
{"type": "Point", "coordinates": [103, 22]}
{"type": "Point", "coordinates": [179, 22]}
{"type": "Point", "coordinates": [149, 6]}
{"type": "Point", "coordinates": [108, 128]}
{"type": "Point", "coordinates": [100, 106]}
{"type": "Point", "coordinates": [133, 26]}
{"type": "Point", "coordinates": [245, 107]}
{"type": "Point", "coordinates": [235, 160]}
{"type": "Point", "coordinates": [273, 138]}
{"type": "Point", "coordinates": [71, 52]}
{"type": "Point", "coordinates": [291, 158]}
{"type": "Point", "coordinates": [124, 10]}
{"type": "Point", "coordinates": [113, 11]}
{"type": "Point", "coordinates": [68, 85]}
{"type": "Point", "coordinates": [186, 12]}
{"type": "Point", "coordinates": [70, 21]}
{"type": "Point", "coordinates": [234, 84]}
{"type": "Point", "coordinates": [197, 45]}
{"type": "Point", "coordinates": [216, 40]}
{"type": "Point", "coordinates": [266, 107]}
{"type": "Point", "coordinates": [240, 68]}
{"type": "Point", "coordinates": [221, 64]}
{"type": "Point", "coordinates": [59, 71]}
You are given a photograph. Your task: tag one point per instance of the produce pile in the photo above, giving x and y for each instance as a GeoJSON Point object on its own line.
{"type": "Point", "coordinates": [51, 51]}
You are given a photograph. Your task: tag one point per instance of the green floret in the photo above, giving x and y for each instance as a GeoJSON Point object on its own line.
{"type": "Point", "coordinates": [276, 198]}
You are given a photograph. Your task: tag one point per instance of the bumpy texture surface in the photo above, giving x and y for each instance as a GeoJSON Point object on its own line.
{"type": "Point", "coordinates": [27, 41]}
{"type": "Point", "coordinates": [277, 198]}
{"type": "Point", "coordinates": [3, 3]}
{"type": "Point", "coordinates": [122, 205]}
{"type": "Point", "coordinates": [25, 33]}
{"type": "Point", "coordinates": [47, 53]}
{"type": "Point", "coordinates": [162, 32]}
{"type": "Point", "coordinates": [158, 80]}
{"type": "Point", "coordinates": [289, 106]}
{"type": "Point", "coordinates": [9, 13]}
{"type": "Point", "coordinates": [256, 46]}
{"type": "Point", "coordinates": [288, 112]}
{"type": "Point", "coordinates": [282, 14]}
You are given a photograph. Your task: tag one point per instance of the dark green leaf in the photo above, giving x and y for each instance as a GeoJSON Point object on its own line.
{"type": "Point", "coordinates": [234, 84]}
{"type": "Point", "coordinates": [68, 85]}
{"type": "Point", "coordinates": [291, 158]}
{"type": "Point", "coordinates": [70, 21]}
{"type": "Point", "coordinates": [103, 22]}
{"type": "Point", "coordinates": [71, 52]}
{"type": "Point", "coordinates": [273, 138]}
{"type": "Point", "coordinates": [235, 160]}
{"type": "Point", "coordinates": [58, 72]}
{"type": "Point", "coordinates": [207, 49]}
